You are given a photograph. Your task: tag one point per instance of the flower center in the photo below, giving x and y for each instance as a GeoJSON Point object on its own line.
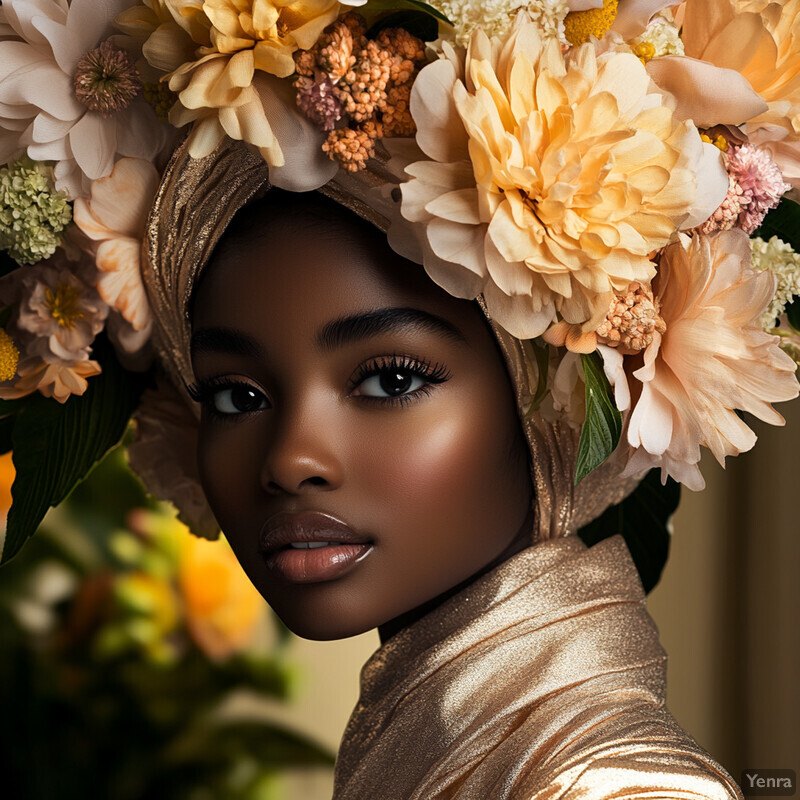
{"type": "Point", "coordinates": [288, 20]}
{"type": "Point", "coordinates": [579, 26]}
{"type": "Point", "coordinates": [9, 357]}
{"type": "Point", "coordinates": [63, 304]}
{"type": "Point", "coordinates": [633, 318]}
{"type": "Point", "coordinates": [106, 79]}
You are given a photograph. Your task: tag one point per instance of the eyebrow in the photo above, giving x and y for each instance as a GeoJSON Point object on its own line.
{"type": "Point", "coordinates": [224, 340]}
{"type": "Point", "coordinates": [355, 327]}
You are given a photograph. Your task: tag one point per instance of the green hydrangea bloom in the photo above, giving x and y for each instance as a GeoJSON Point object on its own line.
{"type": "Point", "coordinates": [32, 212]}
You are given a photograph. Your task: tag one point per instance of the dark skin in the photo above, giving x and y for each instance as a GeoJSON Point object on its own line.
{"type": "Point", "coordinates": [354, 387]}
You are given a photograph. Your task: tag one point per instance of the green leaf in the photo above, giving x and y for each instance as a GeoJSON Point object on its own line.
{"type": "Point", "coordinates": [416, 23]}
{"type": "Point", "coordinates": [8, 407]}
{"type": "Point", "coordinates": [397, 5]}
{"type": "Point", "coordinates": [6, 430]}
{"type": "Point", "coordinates": [642, 519]}
{"type": "Point", "coordinates": [56, 445]}
{"type": "Point", "coordinates": [793, 314]}
{"type": "Point", "coordinates": [783, 222]}
{"type": "Point", "coordinates": [603, 425]}
{"type": "Point", "coordinates": [539, 352]}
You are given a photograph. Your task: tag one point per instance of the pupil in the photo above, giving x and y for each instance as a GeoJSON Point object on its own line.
{"type": "Point", "coordinates": [245, 399]}
{"type": "Point", "coordinates": [395, 383]}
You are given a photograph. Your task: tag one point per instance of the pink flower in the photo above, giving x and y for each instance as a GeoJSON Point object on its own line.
{"type": "Point", "coordinates": [760, 180]}
{"type": "Point", "coordinates": [712, 360]}
{"type": "Point", "coordinates": [61, 310]}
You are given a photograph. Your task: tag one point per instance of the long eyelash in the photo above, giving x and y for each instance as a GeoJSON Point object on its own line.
{"type": "Point", "coordinates": [203, 392]}
{"type": "Point", "coordinates": [433, 373]}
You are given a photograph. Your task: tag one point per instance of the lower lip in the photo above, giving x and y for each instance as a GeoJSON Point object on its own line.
{"type": "Point", "coordinates": [318, 563]}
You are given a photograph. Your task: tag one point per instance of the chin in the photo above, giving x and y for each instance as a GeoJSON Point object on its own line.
{"type": "Point", "coordinates": [321, 630]}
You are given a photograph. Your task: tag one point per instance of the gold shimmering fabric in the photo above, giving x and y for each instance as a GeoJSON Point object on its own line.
{"type": "Point", "coordinates": [543, 679]}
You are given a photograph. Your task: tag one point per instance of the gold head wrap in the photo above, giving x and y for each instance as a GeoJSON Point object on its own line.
{"type": "Point", "coordinates": [195, 203]}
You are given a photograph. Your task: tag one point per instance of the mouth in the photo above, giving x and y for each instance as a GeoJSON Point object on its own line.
{"type": "Point", "coordinates": [311, 547]}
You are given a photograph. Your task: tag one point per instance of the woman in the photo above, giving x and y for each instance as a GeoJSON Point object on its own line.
{"type": "Point", "coordinates": [590, 179]}
{"type": "Point", "coordinates": [347, 399]}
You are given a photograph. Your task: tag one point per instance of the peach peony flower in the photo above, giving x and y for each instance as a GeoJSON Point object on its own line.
{"type": "Point", "coordinates": [56, 379]}
{"type": "Point", "coordinates": [549, 182]}
{"type": "Point", "coordinates": [58, 55]}
{"type": "Point", "coordinates": [762, 42]}
{"type": "Point", "coordinates": [114, 217]}
{"type": "Point", "coordinates": [713, 359]}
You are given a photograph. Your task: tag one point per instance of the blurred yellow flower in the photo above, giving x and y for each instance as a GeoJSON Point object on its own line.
{"type": "Point", "coordinates": [223, 610]}
{"type": "Point", "coordinates": [7, 475]}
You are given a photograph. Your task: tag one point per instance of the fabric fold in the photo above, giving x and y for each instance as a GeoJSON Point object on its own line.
{"type": "Point", "coordinates": [542, 679]}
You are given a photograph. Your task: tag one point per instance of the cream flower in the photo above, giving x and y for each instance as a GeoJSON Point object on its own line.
{"type": "Point", "coordinates": [60, 309]}
{"type": "Point", "coordinates": [550, 183]}
{"type": "Point", "coordinates": [57, 379]}
{"type": "Point", "coordinates": [114, 216]}
{"type": "Point", "coordinates": [713, 359]}
{"type": "Point", "coordinates": [55, 50]}
{"type": "Point", "coordinates": [166, 32]}
{"type": "Point", "coordinates": [227, 90]}
{"type": "Point", "coordinates": [495, 17]}
{"type": "Point", "coordinates": [762, 42]}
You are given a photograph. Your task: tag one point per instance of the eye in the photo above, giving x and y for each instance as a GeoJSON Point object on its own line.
{"type": "Point", "coordinates": [224, 397]}
{"type": "Point", "coordinates": [397, 379]}
{"type": "Point", "coordinates": [391, 383]}
{"type": "Point", "coordinates": [238, 399]}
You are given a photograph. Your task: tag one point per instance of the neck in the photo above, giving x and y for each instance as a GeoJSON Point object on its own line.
{"type": "Point", "coordinates": [517, 544]}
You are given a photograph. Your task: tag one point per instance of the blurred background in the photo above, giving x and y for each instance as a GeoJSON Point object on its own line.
{"type": "Point", "coordinates": [136, 661]}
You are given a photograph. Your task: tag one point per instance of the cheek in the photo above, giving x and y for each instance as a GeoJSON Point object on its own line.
{"type": "Point", "coordinates": [229, 471]}
{"type": "Point", "coordinates": [449, 473]}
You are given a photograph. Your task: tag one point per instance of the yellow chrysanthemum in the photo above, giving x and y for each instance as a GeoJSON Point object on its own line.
{"type": "Point", "coordinates": [580, 26]}
{"type": "Point", "coordinates": [222, 90]}
{"type": "Point", "coordinates": [272, 29]}
{"type": "Point", "coordinates": [550, 182]}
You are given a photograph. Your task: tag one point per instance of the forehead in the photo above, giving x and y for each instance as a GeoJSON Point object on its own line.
{"type": "Point", "coordinates": [299, 267]}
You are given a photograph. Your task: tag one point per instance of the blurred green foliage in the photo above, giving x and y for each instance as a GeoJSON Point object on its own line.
{"type": "Point", "coordinates": [118, 663]}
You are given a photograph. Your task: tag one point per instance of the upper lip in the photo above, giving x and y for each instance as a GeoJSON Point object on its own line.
{"type": "Point", "coordinates": [284, 528]}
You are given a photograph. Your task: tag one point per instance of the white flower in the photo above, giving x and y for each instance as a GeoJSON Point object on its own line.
{"type": "Point", "coordinates": [495, 17]}
{"type": "Point", "coordinates": [781, 260]}
{"type": "Point", "coordinates": [55, 58]}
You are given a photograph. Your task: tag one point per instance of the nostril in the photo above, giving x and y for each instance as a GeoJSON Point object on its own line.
{"type": "Point", "coordinates": [316, 480]}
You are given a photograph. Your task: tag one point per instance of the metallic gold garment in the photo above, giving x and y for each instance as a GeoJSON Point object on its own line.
{"type": "Point", "coordinates": [543, 679]}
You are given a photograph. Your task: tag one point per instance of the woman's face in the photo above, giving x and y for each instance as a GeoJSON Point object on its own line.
{"type": "Point", "coordinates": [347, 399]}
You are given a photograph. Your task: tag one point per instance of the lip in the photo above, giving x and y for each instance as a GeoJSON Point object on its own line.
{"type": "Point", "coordinates": [311, 565]}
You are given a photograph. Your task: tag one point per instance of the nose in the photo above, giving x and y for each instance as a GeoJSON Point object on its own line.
{"type": "Point", "coordinates": [303, 454]}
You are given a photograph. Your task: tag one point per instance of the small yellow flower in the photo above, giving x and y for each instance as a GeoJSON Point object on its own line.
{"type": "Point", "coordinates": [9, 357]}
{"type": "Point", "coordinates": [579, 26]}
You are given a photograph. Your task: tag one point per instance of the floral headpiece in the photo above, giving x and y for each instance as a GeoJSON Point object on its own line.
{"type": "Point", "coordinates": [616, 181]}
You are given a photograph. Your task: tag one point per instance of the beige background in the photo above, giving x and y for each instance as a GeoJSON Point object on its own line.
{"type": "Point", "coordinates": [728, 608]}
